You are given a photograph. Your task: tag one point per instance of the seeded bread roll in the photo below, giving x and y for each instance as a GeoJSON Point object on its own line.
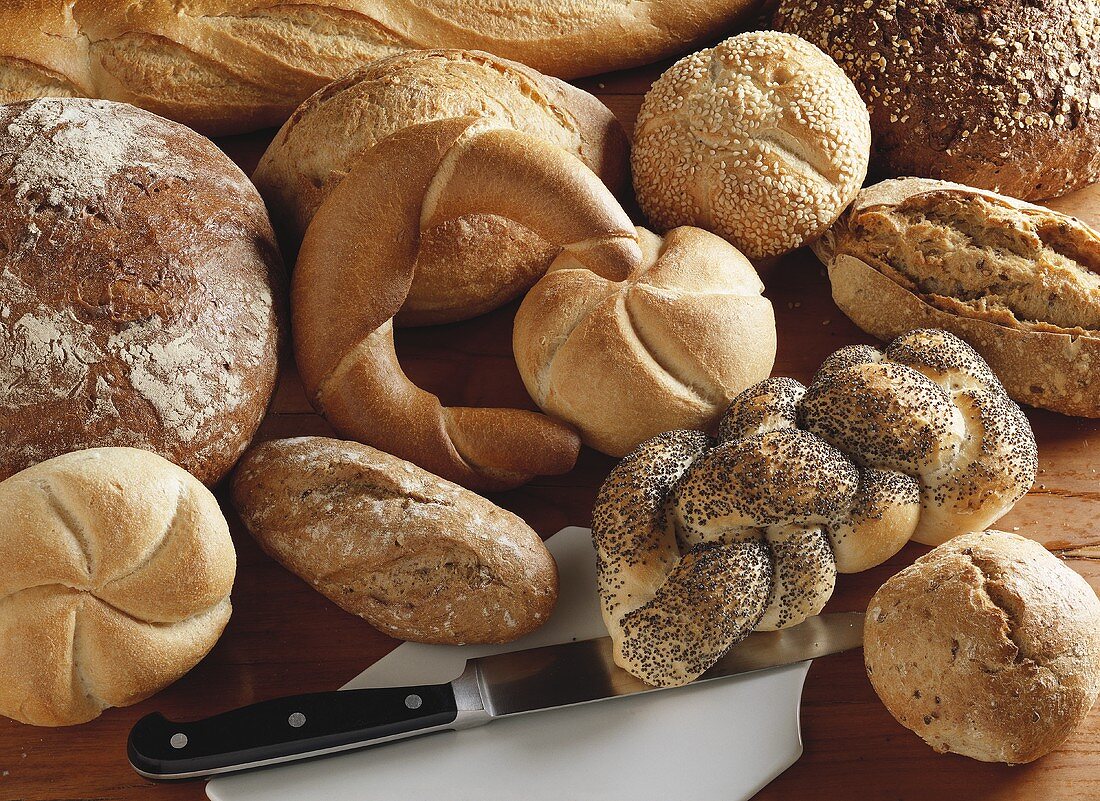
{"type": "Point", "coordinates": [762, 140]}
{"type": "Point", "coordinates": [138, 278]}
{"type": "Point", "coordinates": [1021, 283]}
{"type": "Point", "coordinates": [417, 557]}
{"type": "Point", "coordinates": [1001, 95]}
{"type": "Point", "coordinates": [988, 646]}
{"type": "Point", "coordinates": [116, 580]}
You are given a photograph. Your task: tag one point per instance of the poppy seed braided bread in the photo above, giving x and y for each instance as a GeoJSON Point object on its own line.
{"type": "Point", "coordinates": [700, 542]}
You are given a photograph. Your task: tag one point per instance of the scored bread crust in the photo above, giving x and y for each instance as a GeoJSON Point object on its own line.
{"type": "Point", "coordinates": [416, 556]}
{"type": "Point", "coordinates": [1039, 363]}
{"type": "Point", "coordinates": [117, 572]}
{"type": "Point", "coordinates": [988, 646]}
{"type": "Point", "coordinates": [231, 66]}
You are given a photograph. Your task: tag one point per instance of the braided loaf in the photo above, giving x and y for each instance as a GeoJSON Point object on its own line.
{"type": "Point", "coordinates": [698, 543]}
{"type": "Point", "coordinates": [229, 66]}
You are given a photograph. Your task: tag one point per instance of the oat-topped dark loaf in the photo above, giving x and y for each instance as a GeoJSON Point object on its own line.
{"type": "Point", "coordinates": [1003, 95]}
{"type": "Point", "coordinates": [416, 556]}
{"type": "Point", "coordinates": [138, 276]}
{"type": "Point", "coordinates": [699, 543]}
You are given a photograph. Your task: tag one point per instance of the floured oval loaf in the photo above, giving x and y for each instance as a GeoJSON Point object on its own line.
{"type": "Point", "coordinates": [416, 556]}
{"type": "Point", "coordinates": [1020, 283]}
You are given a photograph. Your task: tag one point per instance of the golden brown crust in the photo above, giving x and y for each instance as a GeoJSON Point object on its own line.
{"type": "Point", "coordinates": [139, 289]}
{"type": "Point", "coordinates": [418, 557]}
{"type": "Point", "coordinates": [988, 646]}
{"type": "Point", "coordinates": [1050, 361]}
{"type": "Point", "coordinates": [118, 567]}
{"type": "Point", "coordinates": [1003, 95]}
{"type": "Point", "coordinates": [230, 66]}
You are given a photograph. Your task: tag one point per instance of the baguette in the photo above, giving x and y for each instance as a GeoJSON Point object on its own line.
{"type": "Point", "coordinates": [230, 66]}
{"type": "Point", "coordinates": [1020, 283]}
{"type": "Point", "coordinates": [418, 557]}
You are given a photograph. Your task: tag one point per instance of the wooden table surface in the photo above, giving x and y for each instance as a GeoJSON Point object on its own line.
{"type": "Point", "coordinates": [284, 638]}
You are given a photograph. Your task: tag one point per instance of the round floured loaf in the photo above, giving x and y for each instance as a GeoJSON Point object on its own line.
{"type": "Point", "coordinates": [988, 646]}
{"type": "Point", "coordinates": [416, 556]}
{"type": "Point", "coordinates": [1002, 95]}
{"type": "Point", "coordinates": [137, 267]}
{"type": "Point", "coordinates": [116, 579]}
{"type": "Point", "coordinates": [761, 139]}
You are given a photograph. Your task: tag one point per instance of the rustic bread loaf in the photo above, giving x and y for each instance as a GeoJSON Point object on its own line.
{"type": "Point", "coordinates": [667, 346]}
{"type": "Point", "coordinates": [762, 140]}
{"type": "Point", "coordinates": [417, 557]}
{"type": "Point", "coordinates": [1002, 95]}
{"type": "Point", "coordinates": [137, 269]}
{"type": "Point", "coordinates": [116, 580]}
{"type": "Point", "coordinates": [229, 66]}
{"type": "Point", "coordinates": [698, 543]}
{"type": "Point", "coordinates": [1020, 283]}
{"type": "Point", "coordinates": [989, 646]}
{"type": "Point", "coordinates": [315, 149]}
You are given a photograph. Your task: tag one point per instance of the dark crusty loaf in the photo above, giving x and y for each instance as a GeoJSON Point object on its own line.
{"type": "Point", "coordinates": [416, 556]}
{"type": "Point", "coordinates": [1020, 283]}
{"type": "Point", "coordinates": [137, 278]}
{"type": "Point", "coordinates": [1003, 95]}
{"type": "Point", "coordinates": [228, 66]}
{"type": "Point", "coordinates": [989, 646]}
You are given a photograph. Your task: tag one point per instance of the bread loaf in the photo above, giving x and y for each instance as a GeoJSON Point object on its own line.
{"type": "Point", "coordinates": [989, 646]}
{"type": "Point", "coordinates": [116, 579]}
{"type": "Point", "coordinates": [1003, 95]}
{"type": "Point", "coordinates": [229, 66]}
{"type": "Point", "coordinates": [698, 543]}
{"type": "Point", "coordinates": [1020, 283]}
{"type": "Point", "coordinates": [667, 347]}
{"type": "Point", "coordinates": [138, 286]}
{"type": "Point", "coordinates": [761, 139]}
{"type": "Point", "coordinates": [316, 147]}
{"type": "Point", "coordinates": [418, 557]}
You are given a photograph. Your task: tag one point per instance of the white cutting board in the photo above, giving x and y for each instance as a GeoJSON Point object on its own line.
{"type": "Point", "coordinates": [720, 741]}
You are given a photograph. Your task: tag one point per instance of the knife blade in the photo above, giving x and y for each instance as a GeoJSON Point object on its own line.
{"type": "Point", "coordinates": [490, 687]}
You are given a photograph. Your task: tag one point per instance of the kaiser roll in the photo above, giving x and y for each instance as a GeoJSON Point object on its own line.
{"type": "Point", "coordinates": [666, 346]}
{"type": "Point", "coordinates": [988, 646]}
{"type": "Point", "coordinates": [137, 268]}
{"type": "Point", "coordinates": [761, 139]}
{"type": "Point", "coordinates": [1001, 95]}
{"type": "Point", "coordinates": [416, 556]}
{"type": "Point", "coordinates": [116, 579]}
{"type": "Point", "coordinates": [698, 543]}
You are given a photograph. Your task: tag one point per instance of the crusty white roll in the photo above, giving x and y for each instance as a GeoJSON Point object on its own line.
{"type": "Point", "coordinates": [697, 545]}
{"type": "Point", "coordinates": [762, 139]}
{"type": "Point", "coordinates": [117, 571]}
{"type": "Point", "coordinates": [668, 346]}
{"type": "Point", "coordinates": [989, 646]}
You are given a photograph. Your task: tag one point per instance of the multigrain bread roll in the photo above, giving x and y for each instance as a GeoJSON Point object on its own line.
{"type": "Point", "coordinates": [1001, 95]}
{"type": "Point", "coordinates": [761, 139]}
{"type": "Point", "coordinates": [116, 580]}
{"type": "Point", "coordinates": [229, 66]}
{"type": "Point", "coordinates": [1020, 283]}
{"type": "Point", "coordinates": [473, 262]}
{"type": "Point", "coordinates": [989, 646]}
{"type": "Point", "coordinates": [139, 279]}
{"type": "Point", "coordinates": [698, 543]}
{"type": "Point", "coordinates": [417, 557]}
{"type": "Point", "coordinates": [667, 347]}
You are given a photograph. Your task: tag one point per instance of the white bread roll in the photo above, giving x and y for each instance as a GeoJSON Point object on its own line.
{"type": "Point", "coordinates": [418, 557]}
{"type": "Point", "coordinates": [761, 139]}
{"type": "Point", "coordinates": [988, 646]}
{"type": "Point", "coordinates": [117, 571]}
{"type": "Point", "coordinates": [667, 346]}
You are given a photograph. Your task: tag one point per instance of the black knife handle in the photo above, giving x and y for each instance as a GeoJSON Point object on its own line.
{"type": "Point", "coordinates": [285, 729]}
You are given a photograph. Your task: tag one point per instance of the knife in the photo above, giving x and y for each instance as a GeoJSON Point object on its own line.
{"type": "Point", "coordinates": [490, 687]}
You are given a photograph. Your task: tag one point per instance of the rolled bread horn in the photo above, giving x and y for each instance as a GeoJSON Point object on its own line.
{"type": "Point", "coordinates": [357, 263]}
